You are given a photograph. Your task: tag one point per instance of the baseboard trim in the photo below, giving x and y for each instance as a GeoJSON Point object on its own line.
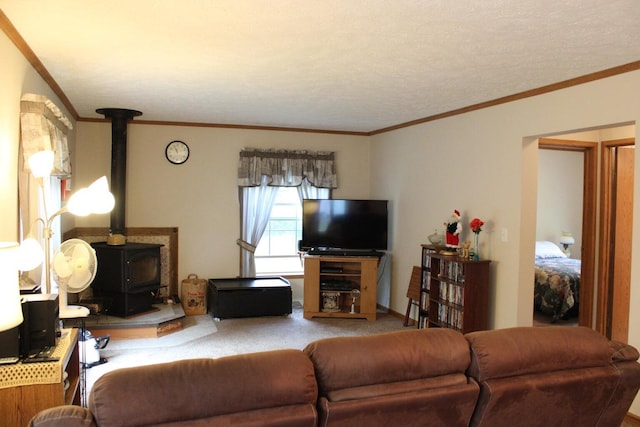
{"type": "Point", "coordinates": [632, 420]}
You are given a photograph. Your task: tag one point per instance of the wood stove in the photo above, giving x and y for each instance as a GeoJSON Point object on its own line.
{"type": "Point", "coordinates": [128, 274]}
{"type": "Point", "coordinates": [127, 278]}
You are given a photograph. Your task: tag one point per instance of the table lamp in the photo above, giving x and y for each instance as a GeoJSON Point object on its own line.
{"type": "Point", "coordinates": [567, 240]}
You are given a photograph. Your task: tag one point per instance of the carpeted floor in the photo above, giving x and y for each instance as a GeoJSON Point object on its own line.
{"type": "Point", "coordinates": [204, 337]}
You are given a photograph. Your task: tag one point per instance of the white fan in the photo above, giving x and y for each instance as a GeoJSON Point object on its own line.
{"type": "Point", "coordinates": [74, 265]}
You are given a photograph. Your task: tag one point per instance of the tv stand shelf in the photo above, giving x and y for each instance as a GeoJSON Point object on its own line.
{"type": "Point", "coordinates": [329, 284]}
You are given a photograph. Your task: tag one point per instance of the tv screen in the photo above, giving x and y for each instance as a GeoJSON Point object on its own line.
{"type": "Point", "coordinates": [344, 224]}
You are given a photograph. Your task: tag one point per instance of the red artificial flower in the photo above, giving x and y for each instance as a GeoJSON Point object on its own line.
{"type": "Point", "coordinates": [476, 225]}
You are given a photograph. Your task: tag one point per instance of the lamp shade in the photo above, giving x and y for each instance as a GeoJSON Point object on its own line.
{"type": "Point", "coordinates": [10, 306]}
{"type": "Point", "coordinates": [95, 199]}
{"type": "Point", "coordinates": [102, 199]}
{"type": "Point", "coordinates": [41, 163]}
{"type": "Point", "coordinates": [30, 254]}
{"type": "Point", "coordinates": [567, 238]}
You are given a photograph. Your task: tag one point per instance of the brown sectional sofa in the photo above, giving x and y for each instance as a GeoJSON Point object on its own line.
{"type": "Point", "coordinates": [405, 377]}
{"type": "Point", "coordinates": [431, 377]}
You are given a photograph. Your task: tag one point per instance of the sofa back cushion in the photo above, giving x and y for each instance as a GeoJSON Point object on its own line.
{"type": "Point", "coordinates": [347, 362]}
{"type": "Point", "coordinates": [269, 387]}
{"type": "Point", "coordinates": [541, 376]}
{"type": "Point", "coordinates": [528, 350]}
{"type": "Point", "coordinates": [407, 378]}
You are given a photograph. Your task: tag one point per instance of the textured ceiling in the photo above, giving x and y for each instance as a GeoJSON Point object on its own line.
{"type": "Point", "coordinates": [346, 65]}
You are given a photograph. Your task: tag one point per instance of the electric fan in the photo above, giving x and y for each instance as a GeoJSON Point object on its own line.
{"type": "Point", "coordinates": [74, 265]}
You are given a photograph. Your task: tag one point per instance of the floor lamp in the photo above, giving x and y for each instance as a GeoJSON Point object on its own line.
{"type": "Point", "coordinates": [95, 199]}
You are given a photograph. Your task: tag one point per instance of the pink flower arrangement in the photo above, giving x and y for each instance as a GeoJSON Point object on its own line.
{"type": "Point", "coordinates": [476, 225]}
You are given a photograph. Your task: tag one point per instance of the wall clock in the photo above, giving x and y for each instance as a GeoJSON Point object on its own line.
{"type": "Point", "coordinates": [177, 152]}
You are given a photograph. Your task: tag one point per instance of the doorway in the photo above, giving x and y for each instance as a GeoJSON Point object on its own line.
{"type": "Point", "coordinates": [589, 152]}
{"type": "Point", "coordinates": [606, 230]}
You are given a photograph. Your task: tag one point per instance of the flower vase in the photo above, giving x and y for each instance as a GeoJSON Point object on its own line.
{"type": "Point", "coordinates": [476, 247]}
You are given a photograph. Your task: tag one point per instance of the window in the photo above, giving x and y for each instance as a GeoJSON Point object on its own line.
{"type": "Point", "coordinates": [277, 251]}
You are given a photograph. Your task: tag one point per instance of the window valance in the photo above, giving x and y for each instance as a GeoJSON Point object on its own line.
{"type": "Point", "coordinates": [44, 127]}
{"type": "Point", "coordinates": [286, 168]}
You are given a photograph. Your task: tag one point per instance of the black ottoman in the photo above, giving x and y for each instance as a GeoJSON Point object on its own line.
{"type": "Point", "coordinates": [249, 297]}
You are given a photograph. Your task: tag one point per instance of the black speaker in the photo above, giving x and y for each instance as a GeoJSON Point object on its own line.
{"type": "Point", "coordinates": [10, 345]}
{"type": "Point", "coordinates": [41, 326]}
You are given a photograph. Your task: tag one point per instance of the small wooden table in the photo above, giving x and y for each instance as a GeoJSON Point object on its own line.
{"type": "Point", "coordinates": [27, 388]}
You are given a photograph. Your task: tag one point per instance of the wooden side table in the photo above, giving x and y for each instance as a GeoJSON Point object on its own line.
{"type": "Point", "coordinates": [27, 388]}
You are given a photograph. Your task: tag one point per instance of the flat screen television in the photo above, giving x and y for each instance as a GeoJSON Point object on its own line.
{"type": "Point", "coordinates": [344, 224]}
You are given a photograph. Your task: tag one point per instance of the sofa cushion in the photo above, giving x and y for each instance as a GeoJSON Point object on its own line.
{"type": "Point", "coordinates": [368, 391]}
{"type": "Point", "coordinates": [199, 389]}
{"type": "Point", "coordinates": [65, 415]}
{"type": "Point", "coordinates": [347, 362]}
{"type": "Point", "coordinates": [621, 352]}
{"type": "Point", "coordinates": [527, 350]}
{"type": "Point", "coordinates": [446, 406]}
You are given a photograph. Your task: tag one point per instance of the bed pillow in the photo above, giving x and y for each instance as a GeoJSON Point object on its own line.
{"type": "Point", "coordinates": [546, 249]}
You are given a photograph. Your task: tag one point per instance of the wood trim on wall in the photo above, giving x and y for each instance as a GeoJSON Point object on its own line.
{"type": "Point", "coordinates": [170, 232]}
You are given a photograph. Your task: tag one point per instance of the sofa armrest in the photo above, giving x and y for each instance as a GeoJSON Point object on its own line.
{"type": "Point", "coordinates": [621, 352]}
{"type": "Point", "coordinates": [63, 416]}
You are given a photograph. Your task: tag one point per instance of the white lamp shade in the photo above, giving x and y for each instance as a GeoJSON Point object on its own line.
{"type": "Point", "coordinates": [102, 199]}
{"type": "Point", "coordinates": [567, 238]}
{"type": "Point", "coordinates": [10, 306]}
{"type": "Point", "coordinates": [80, 203]}
{"type": "Point", "coordinates": [41, 163]}
{"type": "Point", "coordinates": [30, 254]}
{"type": "Point", "coordinates": [95, 199]}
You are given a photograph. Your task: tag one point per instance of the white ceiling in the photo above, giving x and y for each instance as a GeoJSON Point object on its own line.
{"type": "Point", "coordinates": [346, 65]}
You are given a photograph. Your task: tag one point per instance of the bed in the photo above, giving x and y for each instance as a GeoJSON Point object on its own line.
{"type": "Point", "coordinates": [557, 281]}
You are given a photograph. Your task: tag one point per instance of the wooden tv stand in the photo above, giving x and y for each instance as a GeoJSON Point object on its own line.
{"type": "Point", "coordinates": [329, 282]}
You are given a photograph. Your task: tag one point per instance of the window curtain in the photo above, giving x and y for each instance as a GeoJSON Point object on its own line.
{"type": "Point", "coordinates": [285, 168]}
{"type": "Point", "coordinates": [255, 206]}
{"type": "Point", "coordinates": [260, 172]}
{"type": "Point", "coordinates": [42, 127]}
{"type": "Point", "coordinates": [308, 191]}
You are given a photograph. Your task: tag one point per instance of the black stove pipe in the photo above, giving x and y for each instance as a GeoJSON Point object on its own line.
{"type": "Point", "coordinates": [120, 117]}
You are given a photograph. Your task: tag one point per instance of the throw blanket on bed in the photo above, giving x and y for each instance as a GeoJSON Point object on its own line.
{"type": "Point", "coordinates": [557, 285]}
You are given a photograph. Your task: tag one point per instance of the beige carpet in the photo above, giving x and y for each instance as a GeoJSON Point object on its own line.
{"type": "Point", "coordinates": [204, 337]}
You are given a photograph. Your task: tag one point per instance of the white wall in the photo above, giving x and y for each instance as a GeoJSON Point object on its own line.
{"type": "Point", "coordinates": [200, 197]}
{"type": "Point", "coordinates": [484, 163]}
{"type": "Point", "coordinates": [560, 190]}
{"type": "Point", "coordinates": [17, 78]}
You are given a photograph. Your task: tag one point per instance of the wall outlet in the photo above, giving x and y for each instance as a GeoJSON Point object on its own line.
{"type": "Point", "coordinates": [504, 235]}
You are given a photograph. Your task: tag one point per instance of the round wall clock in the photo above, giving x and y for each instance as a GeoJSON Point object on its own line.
{"type": "Point", "coordinates": [177, 152]}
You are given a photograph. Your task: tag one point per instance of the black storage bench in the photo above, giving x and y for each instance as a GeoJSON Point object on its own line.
{"type": "Point", "coordinates": [249, 297]}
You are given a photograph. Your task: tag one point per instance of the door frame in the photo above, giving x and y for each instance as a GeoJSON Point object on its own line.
{"type": "Point", "coordinates": [589, 213]}
{"type": "Point", "coordinates": [604, 309]}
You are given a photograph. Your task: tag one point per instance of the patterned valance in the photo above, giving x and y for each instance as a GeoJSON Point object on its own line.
{"type": "Point", "coordinates": [286, 168]}
{"type": "Point", "coordinates": [44, 127]}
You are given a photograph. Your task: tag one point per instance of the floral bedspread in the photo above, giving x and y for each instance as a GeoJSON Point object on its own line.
{"type": "Point", "coordinates": [557, 285]}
